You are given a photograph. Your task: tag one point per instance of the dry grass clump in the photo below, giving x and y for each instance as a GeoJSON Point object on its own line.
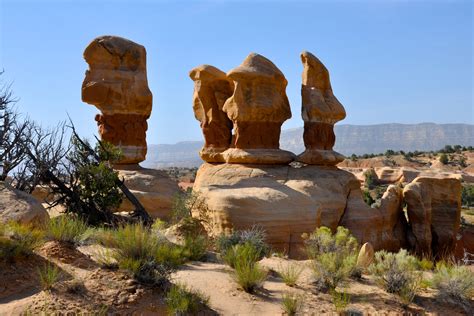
{"type": "Point", "coordinates": [182, 300]}
{"type": "Point", "coordinates": [455, 284]}
{"type": "Point", "coordinates": [17, 240]}
{"type": "Point", "coordinates": [396, 273]}
{"type": "Point", "coordinates": [291, 303]}
{"type": "Point", "coordinates": [290, 273]}
{"type": "Point", "coordinates": [48, 276]}
{"type": "Point", "coordinates": [254, 236]}
{"type": "Point", "coordinates": [66, 229]}
{"type": "Point", "coordinates": [334, 256]}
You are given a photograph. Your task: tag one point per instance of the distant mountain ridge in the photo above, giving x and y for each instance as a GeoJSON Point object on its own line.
{"type": "Point", "coordinates": [350, 139]}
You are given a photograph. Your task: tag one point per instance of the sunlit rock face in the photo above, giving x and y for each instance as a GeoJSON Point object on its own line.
{"type": "Point", "coordinates": [320, 111]}
{"type": "Point", "coordinates": [116, 83]}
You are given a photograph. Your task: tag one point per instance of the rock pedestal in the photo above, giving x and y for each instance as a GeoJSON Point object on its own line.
{"type": "Point", "coordinates": [258, 107]}
{"type": "Point", "coordinates": [320, 111]}
{"type": "Point", "coordinates": [116, 83]}
{"type": "Point", "coordinates": [211, 90]}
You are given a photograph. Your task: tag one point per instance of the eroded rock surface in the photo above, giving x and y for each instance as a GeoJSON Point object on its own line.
{"type": "Point", "coordinates": [116, 83]}
{"type": "Point", "coordinates": [211, 90]}
{"type": "Point", "coordinates": [434, 210]}
{"type": "Point", "coordinates": [258, 107]}
{"type": "Point", "coordinates": [320, 111]}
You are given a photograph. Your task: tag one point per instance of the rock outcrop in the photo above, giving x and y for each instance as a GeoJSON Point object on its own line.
{"type": "Point", "coordinates": [211, 90]}
{"type": "Point", "coordinates": [434, 210]}
{"type": "Point", "coordinates": [257, 108]}
{"type": "Point", "coordinates": [366, 256]}
{"type": "Point", "coordinates": [153, 188]}
{"type": "Point", "coordinates": [116, 83]}
{"type": "Point", "coordinates": [20, 207]}
{"type": "Point", "coordinates": [320, 111]}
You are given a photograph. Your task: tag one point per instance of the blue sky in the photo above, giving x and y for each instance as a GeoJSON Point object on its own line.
{"type": "Point", "coordinates": [390, 61]}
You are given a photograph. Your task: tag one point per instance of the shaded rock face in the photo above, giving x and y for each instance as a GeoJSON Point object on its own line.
{"type": "Point", "coordinates": [287, 202]}
{"type": "Point", "coordinates": [20, 207]}
{"type": "Point", "coordinates": [211, 90]}
{"type": "Point", "coordinates": [320, 111]}
{"type": "Point", "coordinates": [116, 83]}
{"type": "Point", "coordinates": [258, 107]}
{"type": "Point", "coordinates": [434, 211]}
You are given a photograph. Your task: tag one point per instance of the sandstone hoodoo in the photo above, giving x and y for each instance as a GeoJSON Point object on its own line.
{"type": "Point", "coordinates": [258, 107]}
{"type": "Point", "coordinates": [320, 111]}
{"type": "Point", "coordinates": [116, 83]}
{"type": "Point", "coordinates": [211, 90]}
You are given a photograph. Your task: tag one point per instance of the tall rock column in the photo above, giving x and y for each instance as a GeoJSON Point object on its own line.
{"type": "Point", "coordinates": [116, 83]}
{"type": "Point", "coordinates": [211, 90]}
{"type": "Point", "coordinates": [320, 111]}
{"type": "Point", "coordinates": [257, 108]}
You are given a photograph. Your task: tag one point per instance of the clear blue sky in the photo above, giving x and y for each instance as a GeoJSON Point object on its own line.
{"type": "Point", "coordinates": [390, 61]}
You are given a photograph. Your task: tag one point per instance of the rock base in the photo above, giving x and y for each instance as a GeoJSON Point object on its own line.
{"type": "Point", "coordinates": [211, 154]}
{"type": "Point", "coordinates": [320, 157]}
{"type": "Point", "coordinates": [258, 156]}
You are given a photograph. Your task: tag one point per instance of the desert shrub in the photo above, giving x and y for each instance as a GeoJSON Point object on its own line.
{"type": "Point", "coordinates": [182, 206]}
{"type": "Point", "coordinates": [425, 264]}
{"type": "Point", "coordinates": [254, 236]}
{"type": "Point", "coordinates": [467, 195]}
{"type": "Point", "coordinates": [340, 300]}
{"type": "Point", "coordinates": [443, 158]}
{"type": "Point", "coordinates": [67, 229]}
{"type": "Point", "coordinates": [370, 179]}
{"type": "Point", "coordinates": [396, 273]}
{"type": "Point", "coordinates": [48, 276]}
{"type": "Point", "coordinates": [290, 273]}
{"type": "Point", "coordinates": [291, 303]}
{"type": "Point", "coordinates": [368, 199]}
{"type": "Point", "coordinates": [455, 284]}
{"type": "Point", "coordinates": [195, 248]}
{"type": "Point", "coordinates": [247, 272]}
{"type": "Point", "coordinates": [182, 300]}
{"type": "Point", "coordinates": [334, 256]}
{"type": "Point", "coordinates": [17, 240]}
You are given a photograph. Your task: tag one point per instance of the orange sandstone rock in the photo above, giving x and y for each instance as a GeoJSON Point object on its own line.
{"type": "Point", "coordinates": [211, 90]}
{"type": "Point", "coordinates": [320, 111]}
{"type": "Point", "coordinates": [116, 83]}
{"type": "Point", "coordinates": [257, 108]}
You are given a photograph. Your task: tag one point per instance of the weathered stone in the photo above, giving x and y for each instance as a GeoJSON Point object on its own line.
{"type": "Point", "coordinates": [257, 108]}
{"type": "Point", "coordinates": [153, 188]}
{"type": "Point", "coordinates": [434, 214]}
{"type": "Point", "coordinates": [366, 256]}
{"type": "Point", "coordinates": [211, 90]}
{"type": "Point", "coordinates": [116, 83]}
{"type": "Point", "coordinates": [20, 207]}
{"type": "Point", "coordinates": [320, 111]}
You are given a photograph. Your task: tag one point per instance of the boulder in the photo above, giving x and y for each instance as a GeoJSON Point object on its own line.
{"type": "Point", "coordinates": [320, 111]}
{"type": "Point", "coordinates": [116, 83]}
{"type": "Point", "coordinates": [257, 108]}
{"type": "Point", "coordinates": [287, 201]}
{"type": "Point", "coordinates": [20, 207]}
{"type": "Point", "coordinates": [434, 212]}
{"type": "Point", "coordinates": [153, 188]}
{"type": "Point", "coordinates": [211, 90]}
{"type": "Point", "coordinates": [366, 256]}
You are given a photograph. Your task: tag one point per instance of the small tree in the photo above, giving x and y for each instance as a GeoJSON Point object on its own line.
{"type": "Point", "coordinates": [443, 158]}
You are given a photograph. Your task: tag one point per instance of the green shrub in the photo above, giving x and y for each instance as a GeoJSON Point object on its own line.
{"type": "Point", "coordinates": [48, 276]}
{"type": "Point", "coordinates": [396, 273]}
{"type": "Point", "coordinates": [17, 240]}
{"type": "Point", "coordinates": [67, 229]}
{"type": "Point", "coordinates": [290, 273]}
{"type": "Point", "coordinates": [291, 303]}
{"type": "Point", "coordinates": [443, 158]}
{"type": "Point", "coordinates": [334, 257]}
{"type": "Point", "coordinates": [340, 300]}
{"type": "Point", "coordinates": [195, 248]}
{"type": "Point", "coordinates": [467, 195]}
{"type": "Point", "coordinates": [254, 236]}
{"type": "Point", "coordinates": [425, 264]}
{"type": "Point", "coordinates": [182, 300]}
{"type": "Point", "coordinates": [247, 272]}
{"type": "Point", "coordinates": [368, 199]}
{"type": "Point", "coordinates": [455, 284]}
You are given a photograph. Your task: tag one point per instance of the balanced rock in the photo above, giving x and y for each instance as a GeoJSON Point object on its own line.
{"type": "Point", "coordinates": [258, 107]}
{"type": "Point", "coordinates": [116, 83]}
{"type": "Point", "coordinates": [434, 211]}
{"type": "Point", "coordinates": [153, 188]}
{"type": "Point", "coordinates": [211, 90]}
{"type": "Point", "coordinates": [20, 207]}
{"type": "Point", "coordinates": [320, 111]}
